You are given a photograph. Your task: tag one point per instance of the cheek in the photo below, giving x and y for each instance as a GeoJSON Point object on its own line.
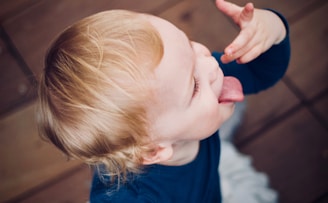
{"type": "Point", "coordinates": [209, 120]}
{"type": "Point", "coordinates": [210, 113]}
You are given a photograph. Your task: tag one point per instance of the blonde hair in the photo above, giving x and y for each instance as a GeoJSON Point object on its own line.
{"type": "Point", "coordinates": [95, 88]}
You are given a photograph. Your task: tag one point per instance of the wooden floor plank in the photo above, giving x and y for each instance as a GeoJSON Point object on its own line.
{"type": "Point", "coordinates": [308, 68]}
{"type": "Point", "coordinates": [36, 27]}
{"type": "Point", "coordinates": [9, 7]}
{"type": "Point", "coordinates": [73, 189]}
{"type": "Point", "coordinates": [202, 22]}
{"type": "Point", "coordinates": [321, 108]}
{"type": "Point", "coordinates": [264, 108]}
{"type": "Point", "coordinates": [26, 160]}
{"type": "Point", "coordinates": [294, 155]}
{"type": "Point", "coordinates": [288, 8]}
{"type": "Point", "coordinates": [15, 88]}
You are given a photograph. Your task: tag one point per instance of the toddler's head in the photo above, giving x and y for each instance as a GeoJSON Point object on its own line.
{"type": "Point", "coordinates": [95, 88]}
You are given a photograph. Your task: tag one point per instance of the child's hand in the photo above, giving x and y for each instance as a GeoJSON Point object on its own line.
{"type": "Point", "coordinates": [260, 29]}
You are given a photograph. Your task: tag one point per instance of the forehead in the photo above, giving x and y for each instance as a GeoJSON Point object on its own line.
{"type": "Point", "coordinates": [174, 70]}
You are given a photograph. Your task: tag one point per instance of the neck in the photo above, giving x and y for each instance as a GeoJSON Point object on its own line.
{"type": "Point", "coordinates": [184, 153]}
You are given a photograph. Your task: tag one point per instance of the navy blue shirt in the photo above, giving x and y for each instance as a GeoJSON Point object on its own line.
{"type": "Point", "coordinates": [198, 181]}
{"type": "Point", "coordinates": [195, 182]}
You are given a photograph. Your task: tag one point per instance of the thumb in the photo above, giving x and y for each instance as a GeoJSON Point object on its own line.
{"type": "Point", "coordinates": [246, 14]}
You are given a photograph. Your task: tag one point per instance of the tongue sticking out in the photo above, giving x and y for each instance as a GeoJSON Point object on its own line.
{"type": "Point", "coordinates": [232, 90]}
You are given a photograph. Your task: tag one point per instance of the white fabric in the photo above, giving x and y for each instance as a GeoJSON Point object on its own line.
{"type": "Point", "coordinates": [240, 182]}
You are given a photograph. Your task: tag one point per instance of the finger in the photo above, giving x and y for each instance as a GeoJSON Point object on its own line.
{"type": "Point", "coordinates": [229, 9]}
{"type": "Point", "coordinates": [226, 59]}
{"type": "Point", "coordinates": [247, 13]}
{"type": "Point", "coordinates": [243, 38]}
{"type": "Point", "coordinates": [248, 45]}
{"type": "Point", "coordinates": [250, 55]}
{"type": "Point", "coordinates": [238, 56]}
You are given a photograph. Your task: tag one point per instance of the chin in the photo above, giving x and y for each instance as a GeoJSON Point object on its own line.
{"type": "Point", "coordinates": [226, 113]}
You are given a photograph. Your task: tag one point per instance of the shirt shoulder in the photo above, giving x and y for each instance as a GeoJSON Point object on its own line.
{"type": "Point", "coordinates": [122, 195]}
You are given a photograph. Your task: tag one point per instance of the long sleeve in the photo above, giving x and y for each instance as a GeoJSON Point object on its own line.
{"type": "Point", "coordinates": [264, 71]}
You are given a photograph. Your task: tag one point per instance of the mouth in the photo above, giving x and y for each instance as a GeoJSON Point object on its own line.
{"type": "Point", "coordinates": [232, 91]}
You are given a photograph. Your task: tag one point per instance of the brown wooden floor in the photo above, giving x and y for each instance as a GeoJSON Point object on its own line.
{"type": "Point", "coordinates": [285, 128]}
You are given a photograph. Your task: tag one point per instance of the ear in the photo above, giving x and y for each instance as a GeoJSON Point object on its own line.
{"type": "Point", "coordinates": [163, 152]}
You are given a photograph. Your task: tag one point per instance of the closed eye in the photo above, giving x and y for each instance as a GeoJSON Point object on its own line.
{"type": "Point", "coordinates": [196, 87]}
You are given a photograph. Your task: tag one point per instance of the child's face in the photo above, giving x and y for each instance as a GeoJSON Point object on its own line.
{"type": "Point", "coordinates": [189, 89]}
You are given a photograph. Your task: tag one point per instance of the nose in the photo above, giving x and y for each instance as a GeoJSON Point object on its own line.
{"type": "Point", "coordinates": [200, 49]}
{"type": "Point", "coordinates": [209, 65]}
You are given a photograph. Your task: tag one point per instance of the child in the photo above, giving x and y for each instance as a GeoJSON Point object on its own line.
{"type": "Point", "coordinates": [129, 92]}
